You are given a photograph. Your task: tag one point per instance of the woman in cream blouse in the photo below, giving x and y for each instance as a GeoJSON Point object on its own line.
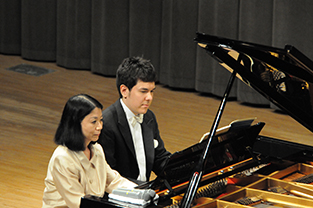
{"type": "Point", "coordinates": [78, 166]}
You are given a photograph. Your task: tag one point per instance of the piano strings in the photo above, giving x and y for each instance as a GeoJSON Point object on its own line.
{"type": "Point", "coordinates": [210, 190]}
{"type": "Point", "coordinates": [281, 190]}
{"type": "Point", "coordinates": [217, 188]}
{"type": "Point", "coordinates": [258, 201]}
{"type": "Point", "coordinates": [307, 179]}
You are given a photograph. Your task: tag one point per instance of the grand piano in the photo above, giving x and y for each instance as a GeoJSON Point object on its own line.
{"type": "Point", "coordinates": [236, 166]}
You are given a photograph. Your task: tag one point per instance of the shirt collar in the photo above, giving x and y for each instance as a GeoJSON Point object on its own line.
{"type": "Point", "coordinates": [83, 159]}
{"type": "Point", "coordinates": [128, 112]}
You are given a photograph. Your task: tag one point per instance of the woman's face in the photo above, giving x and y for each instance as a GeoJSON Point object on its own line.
{"type": "Point", "coordinates": [92, 125]}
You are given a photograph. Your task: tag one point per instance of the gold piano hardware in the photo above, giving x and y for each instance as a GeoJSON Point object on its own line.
{"type": "Point", "coordinates": [209, 175]}
{"type": "Point", "coordinates": [294, 172]}
{"type": "Point", "coordinates": [268, 197]}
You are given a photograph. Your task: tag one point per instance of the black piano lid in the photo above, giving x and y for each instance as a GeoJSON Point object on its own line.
{"type": "Point", "coordinates": [283, 76]}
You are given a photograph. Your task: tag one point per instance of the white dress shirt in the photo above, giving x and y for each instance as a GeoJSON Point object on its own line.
{"type": "Point", "coordinates": [136, 133]}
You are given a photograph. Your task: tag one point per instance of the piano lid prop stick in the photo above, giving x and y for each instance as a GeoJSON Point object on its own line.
{"type": "Point", "coordinates": [197, 174]}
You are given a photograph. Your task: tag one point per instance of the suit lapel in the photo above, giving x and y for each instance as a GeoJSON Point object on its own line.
{"type": "Point", "coordinates": [124, 128]}
{"type": "Point", "coordinates": [147, 134]}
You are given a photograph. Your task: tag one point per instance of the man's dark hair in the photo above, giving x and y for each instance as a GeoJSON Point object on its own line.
{"type": "Point", "coordinates": [133, 69]}
{"type": "Point", "coordinates": [69, 132]}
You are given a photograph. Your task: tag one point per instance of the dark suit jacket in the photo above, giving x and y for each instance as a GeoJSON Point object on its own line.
{"type": "Point", "coordinates": [118, 146]}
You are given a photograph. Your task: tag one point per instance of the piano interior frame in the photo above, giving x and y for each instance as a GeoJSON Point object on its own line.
{"type": "Point", "coordinates": [299, 194]}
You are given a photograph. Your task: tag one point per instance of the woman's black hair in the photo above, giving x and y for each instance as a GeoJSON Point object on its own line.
{"type": "Point", "coordinates": [69, 132]}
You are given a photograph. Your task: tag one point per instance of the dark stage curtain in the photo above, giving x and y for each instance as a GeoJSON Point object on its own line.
{"type": "Point", "coordinates": [255, 19]}
{"type": "Point", "coordinates": [10, 26]}
{"type": "Point", "coordinates": [38, 30]}
{"type": "Point", "coordinates": [215, 18]}
{"type": "Point", "coordinates": [97, 35]}
{"type": "Point", "coordinates": [74, 34]}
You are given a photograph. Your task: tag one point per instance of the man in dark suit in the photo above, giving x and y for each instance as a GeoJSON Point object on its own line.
{"type": "Point", "coordinates": [130, 135]}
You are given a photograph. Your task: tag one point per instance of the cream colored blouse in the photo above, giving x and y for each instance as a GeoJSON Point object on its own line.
{"type": "Point", "coordinates": [71, 176]}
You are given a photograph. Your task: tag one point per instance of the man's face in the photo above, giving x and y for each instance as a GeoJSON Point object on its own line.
{"type": "Point", "coordinates": [139, 99]}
